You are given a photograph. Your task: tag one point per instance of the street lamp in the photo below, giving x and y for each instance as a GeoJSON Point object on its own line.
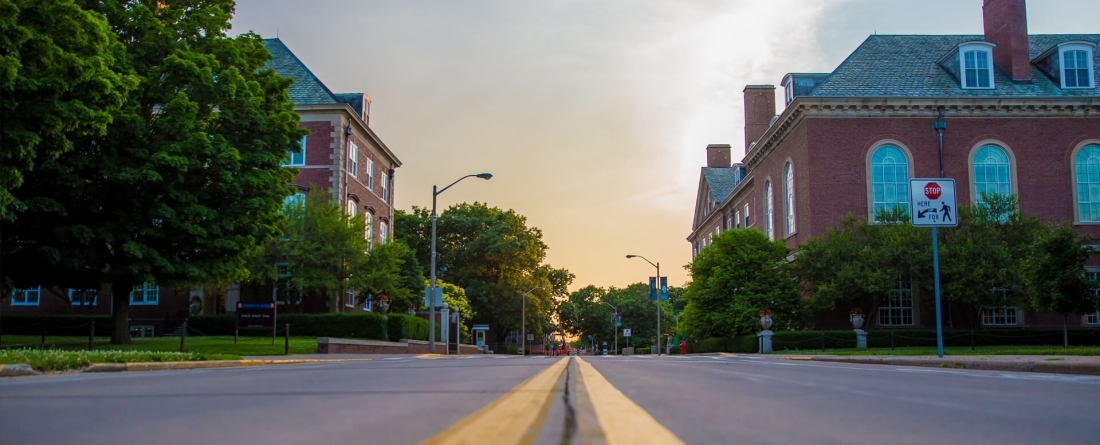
{"type": "Point", "coordinates": [523, 331]}
{"type": "Point", "coordinates": [431, 287]}
{"type": "Point", "coordinates": [658, 266]}
{"type": "Point", "coordinates": [614, 326]}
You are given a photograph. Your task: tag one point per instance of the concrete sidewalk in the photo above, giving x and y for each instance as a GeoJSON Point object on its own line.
{"type": "Point", "coordinates": [1056, 364]}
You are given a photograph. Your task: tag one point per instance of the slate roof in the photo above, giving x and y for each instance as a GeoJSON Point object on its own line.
{"type": "Point", "coordinates": [906, 66]}
{"type": "Point", "coordinates": [721, 180]}
{"type": "Point", "coordinates": [307, 89]}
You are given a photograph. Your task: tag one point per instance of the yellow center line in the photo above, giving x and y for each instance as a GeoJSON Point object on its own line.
{"type": "Point", "coordinates": [514, 418]}
{"type": "Point", "coordinates": [623, 422]}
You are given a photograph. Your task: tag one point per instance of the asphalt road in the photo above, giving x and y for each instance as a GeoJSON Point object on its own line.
{"type": "Point", "coordinates": [699, 399]}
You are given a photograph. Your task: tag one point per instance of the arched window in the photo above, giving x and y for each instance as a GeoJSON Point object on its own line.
{"type": "Point", "coordinates": [1087, 166]}
{"type": "Point", "coordinates": [992, 173]}
{"type": "Point", "coordinates": [768, 230]}
{"type": "Point", "coordinates": [369, 232]}
{"type": "Point", "coordinates": [788, 198]}
{"type": "Point", "coordinates": [889, 181]}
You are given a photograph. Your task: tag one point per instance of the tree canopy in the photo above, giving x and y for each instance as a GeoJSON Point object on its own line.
{"type": "Point", "coordinates": [185, 177]}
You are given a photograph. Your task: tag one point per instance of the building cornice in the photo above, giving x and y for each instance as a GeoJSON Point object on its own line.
{"type": "Point", "coordinates": [357, 121]}
{"type": "Point", "coordinates": [907, 107]}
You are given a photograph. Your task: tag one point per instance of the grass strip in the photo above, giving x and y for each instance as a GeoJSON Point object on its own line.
{"type": "Point", "coordinates": [46, 360]}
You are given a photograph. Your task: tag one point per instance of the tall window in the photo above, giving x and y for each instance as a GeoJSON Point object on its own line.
{"type": "Point", "coordinates": [370, 174]}
{"type": "Point", "coordinates": [145, 295]}
{"type": "Point", "coordinates": [26, 297]}
{"type": "Point", "coordinates": [976, 69]}
{"type": "Point", "coordinates": [746, 215]}
{"type": "Point", "coordinates": [768, 230]}
{"type": "Point", "coordinates": [1077, 68]}
{"type": "Point", "coordinates": [349, 298]}
{"type": "Point", "coordinates": [1000, 315]}
{"type": "Point", "coordinates": [385, 188]}
{"type": "Point", "coordinates": [991, 173]}
{"type": "Point", "coordinates": [83, 297]}
{"type": "Point", "coordinates": [369, 234]}
{"type": "Point", "coordinates": [295, 201]}
{"type": "Point", "coordinates": [889, 180]}
{"type": "Point", "coordinates": [1094, 318]}
{"type": "Point", "coordinates": [383, 233]}
{"type": "Point", "coordinates": [353, 160]}
{"type": "Point", "coordinates": [897, 306]}
{"type": "Point", "coordinates": [737, 219]}
{"type": "Point", "coordinates": [297, 159]}
{"type": "Point", "coordinates": [353, 209]}
{"type": "Point", "coordinates": [1087, 166]}
{"type": "Point", "coordinates": [788, 198]}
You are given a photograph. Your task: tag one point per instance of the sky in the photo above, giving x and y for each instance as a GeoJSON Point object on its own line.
{"type": "Point", "coordinates": [592, 116]}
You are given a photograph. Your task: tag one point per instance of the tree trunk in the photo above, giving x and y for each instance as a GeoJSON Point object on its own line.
{"type": "Point", "coordinates": [1065, 332]}
{"type": "Point", "coordinates": [120, 312]}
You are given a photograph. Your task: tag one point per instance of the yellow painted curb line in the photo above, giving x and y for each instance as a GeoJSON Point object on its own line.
{"type": "Point", "coordinates": [623, 422]}
{"type": "Point", "coordinates": [801, 358]}
{"type": "Point", "coordinates": [513, 418]}
{"type": "Point", "coordinates": [429, 356]}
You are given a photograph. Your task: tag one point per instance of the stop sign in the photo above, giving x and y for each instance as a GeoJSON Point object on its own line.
{"type": "Point", "coordinates": [932, 190]}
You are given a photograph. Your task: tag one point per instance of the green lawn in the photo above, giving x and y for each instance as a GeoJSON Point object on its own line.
{"type": "Point", "coordinates": [963, 350]}
{"type": "Point", "coordinates": [65, 360]}
{"type": "Point", "coordinates": [207, 345]}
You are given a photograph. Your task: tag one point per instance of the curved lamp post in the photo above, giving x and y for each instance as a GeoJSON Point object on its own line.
{"type": "Point", "coordinates": [523, 331]}
{"type": "Point", "coordinates": [658, 266]}
{"type": "Point", "coordinates": [431, 287]}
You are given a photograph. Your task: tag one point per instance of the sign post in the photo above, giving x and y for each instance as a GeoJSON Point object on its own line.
{"type": "Point", "coordinates": [256, 316]}
{"type": "Point", "coordinates": [932, 204]}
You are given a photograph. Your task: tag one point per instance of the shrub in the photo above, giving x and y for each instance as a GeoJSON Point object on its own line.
{"type": "Point", "coordinates": [508, 350]}
{"type": "Point", "coordinates": [55, 325]}
{"type": "Point", "coordinates": [811, 340]}
{"type": "Point", "coordinates": [402, 326]}
{"type": "Point", "coordinates": [641, 351]}
{"type": "Point", "coordinates": [368, 325]}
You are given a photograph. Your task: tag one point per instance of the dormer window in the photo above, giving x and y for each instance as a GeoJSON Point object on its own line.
{"type": "Point", "coordinates": [976, 60]}
{"type": "Point", "coordinates": [1076, 63]}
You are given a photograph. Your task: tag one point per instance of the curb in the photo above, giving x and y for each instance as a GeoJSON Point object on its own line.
{"type": "Point", "coordinates": [167, 366]}
{"type": "Point", "coordinates": [1029, 366]}
{"type": "Point", "coordinates": [17, 370]}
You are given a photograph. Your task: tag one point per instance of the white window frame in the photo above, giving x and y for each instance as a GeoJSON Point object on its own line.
{"type": "Point", "coordinates": [353, 209]}
{"type": "Point", "coordinates": [22, 297]}
{"type": "Point", "coordinates": [897, 306]}
{"type": "Point", "coordinates": [1092, 181]}
{"type": "Point", "coordinates": [737, 216]}
{"type": "Point", "coordinates": [769, 227]}
{"type": "Point", "coordinates": [84, 302]}
{"type": "Point", "coordinates": [788, 197]}
{"type": "Point", "coordinates": [349, 298]}
{"type": "Point", "coordinates": [150, 295]}
{"type": "Point", "coordinates": [1000, 316]}
{"type": "Point", "coordinates": [282, 271]}
{"type": "Point", "coordinates": [747, 216]}
{"type": "Point", "coordinates": [289, 162]}
{"type": "Point", "coordinates": [1091, 77]}
{"type": "Point", "coordinates": [976, 48]}
{"type": "Point", "coordinates": [353, 158]}
{"type": "Point", "coordinates": [384, 233]}
{"type": "Point", "coordinates": [980, 186]}
{"type": "Point", "coordinates": [385, 188]}
{"type": "Point", "coordinates": [901, 187]}
{"type": "Point", "coordinates": [370, 174]}
{"type": "Point", "coordinates": [369, 232]}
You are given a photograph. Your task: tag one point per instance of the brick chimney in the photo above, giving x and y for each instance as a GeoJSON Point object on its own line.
{"type": "Point", "coordinates": [1006, 27]}
{"type": "Point", "coordinates": [718, 155]}
{"type": "Point", "coordinates": [759, 111]}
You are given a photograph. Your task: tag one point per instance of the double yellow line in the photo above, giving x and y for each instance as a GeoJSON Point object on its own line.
{"type": "Point", "coordinates": [618, 420]}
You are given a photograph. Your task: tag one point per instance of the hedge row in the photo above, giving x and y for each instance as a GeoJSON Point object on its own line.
{"type": "Point", "coordinates": [800, 340]}
{"type": "Point", "coordinates": [366, 325]}
{"type": "Point", "coordinates": [402, 326]}
{"type": "Point", "coordinates": [55, 325]}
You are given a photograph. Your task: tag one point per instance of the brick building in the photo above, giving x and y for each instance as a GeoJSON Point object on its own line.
{"type": "Point", "coordinates": [341, 156]}
{"type": "Point", "coordinates": [1022, 114]}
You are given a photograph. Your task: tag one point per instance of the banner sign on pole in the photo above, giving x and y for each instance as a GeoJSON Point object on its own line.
{"type": "Point", "coordinates": [664, 288]}
{"type": "Point", "coordinates": [652, 288]}
{"type": "Point", "coordinates": [438, 296]}
{"type": "Point", "coordinates": [932, 202]}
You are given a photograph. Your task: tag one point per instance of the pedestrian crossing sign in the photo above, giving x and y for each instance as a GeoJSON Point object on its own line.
{"type": "Point", "coordinates": [932, 202]}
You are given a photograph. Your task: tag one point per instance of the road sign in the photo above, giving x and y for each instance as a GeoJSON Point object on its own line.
{"type": "Point", "coordinates": [530, 337]}
{"type": "Point", "coordinates": [932, 202]}
{"type": "Point", "coordinates": [626, 332]}
{"type": "Point", "coordinates": [438, 296]}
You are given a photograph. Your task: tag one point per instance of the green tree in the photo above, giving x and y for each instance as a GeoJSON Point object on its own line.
{"type": "Point", "coordinates": [187, 176]}
{"type": "Point", "coordinates": [60, 80]}
{"type": "Point", "coordinates": [741, 273]}
{"type": "Point", "coordinates": [495, 258]}
{"type": "Point", "coordinates": [455, 298]}
{"type": "Point", "coordinates": [1056, 277]}
{"type": "Point", "coordinates": [584, 313]}
{"type": "Point", "coordinates": [858, 263]}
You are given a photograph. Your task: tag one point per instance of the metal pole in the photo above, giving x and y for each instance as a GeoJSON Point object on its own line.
{"type": "Point", "coordinates": [183, 335]}
{"type": "Point", "coordinates": [91, 335]}
{"type": "Point", "coordinates": [891, 340]}
{"type": "Point", "coordinates": [658, 265]}
{"type": "Point", "coordinates": [936, 271]}
{"type": "Point", "coordinates": [43, 330]}
{"type": "Point", "coordinates": [616, 327]}
{"type": "Point", "coordinates": [523, 330]}
{"type": "Point", "coordinates": [822, 342]}
{"type": "Point", "coordinates": [971, 339]}
{"type": "Point", "coordinates": [431, 287]}
{"type": "Point", "coordinates": [286, 340]}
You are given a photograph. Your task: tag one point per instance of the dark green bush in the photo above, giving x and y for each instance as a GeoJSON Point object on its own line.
{"type": "Point", "coordinates": [641, 351]}
{"type": "Point", "coordinates": [55, 325]}
{"type": "Point", "coordinates": [507, 350]}
{"type": "Point", "coordinates": [811, 340]}
{"type": "Point", "coordinates": [402, 326]}
{"type": "Point", "coordinates": [368, 325]}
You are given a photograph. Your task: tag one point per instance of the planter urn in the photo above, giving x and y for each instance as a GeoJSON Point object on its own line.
{"type": "Point", "coordinates": [857, 321]}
